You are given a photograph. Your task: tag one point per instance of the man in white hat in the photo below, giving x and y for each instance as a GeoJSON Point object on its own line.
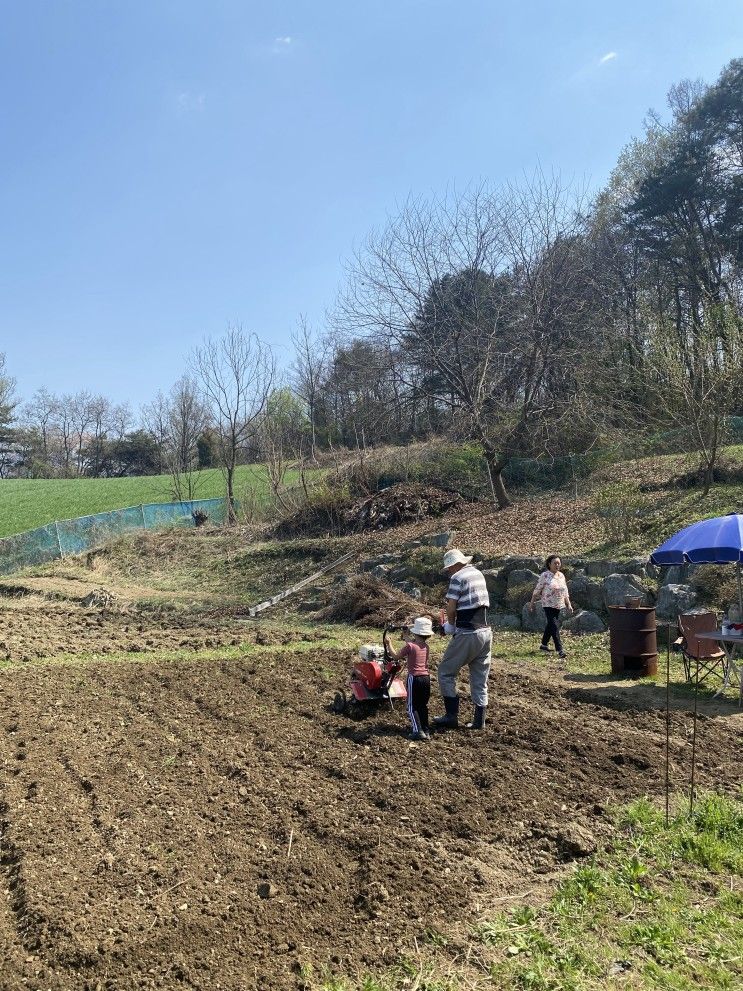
{"type": "Point", "coordinates": [467, 603]}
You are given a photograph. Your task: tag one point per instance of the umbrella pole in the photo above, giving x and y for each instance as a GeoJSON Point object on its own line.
{"type": "Point", "coordinates": [694, 735]}
{"type": "Point", "coordinates": [740, 594]}
{"type": "Point", "coordinates": [668, 718]}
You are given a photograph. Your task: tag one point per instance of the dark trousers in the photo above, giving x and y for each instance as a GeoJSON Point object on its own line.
{"type": "Point", "coordinates": [419, 692]}
{"type": "Point", "coordinates": [552, 629]}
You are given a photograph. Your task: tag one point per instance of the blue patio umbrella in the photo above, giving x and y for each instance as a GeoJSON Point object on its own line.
{"type": "Point", "coordinates": [715, 541]}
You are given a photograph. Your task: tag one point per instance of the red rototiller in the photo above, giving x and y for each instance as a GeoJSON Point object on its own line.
{"type": "Point", "coordinates": [374, 681]}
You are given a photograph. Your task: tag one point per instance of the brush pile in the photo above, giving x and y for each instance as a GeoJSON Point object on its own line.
{"type": "Point", "coordinates": [403, 503]}
{"type": "Point", "coordinates": [366, 601]}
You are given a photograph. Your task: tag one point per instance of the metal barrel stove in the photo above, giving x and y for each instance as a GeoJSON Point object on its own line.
{"type": "Point", "coordinates": [633, 640]}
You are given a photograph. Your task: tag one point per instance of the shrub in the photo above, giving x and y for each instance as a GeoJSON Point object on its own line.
{"type": "Point", "coordinates": [424, 566]}
{"type": "Point", "coordinates": [453, 467]}
{"type": "Point", "coordinates": [519, 595]}
{"type": "Point", "coordinates": [619, 507]}
{"type": "Point", "coordinates": [322, 512]}
{"type": "Point", "coordinates": [725, 472]}
{"type": "Point", "coordinates": [716, 585]}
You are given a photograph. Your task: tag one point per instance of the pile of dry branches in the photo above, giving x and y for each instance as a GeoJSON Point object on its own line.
{"type": "Point", "coordinates": [366, 601]}
{"type": "Point", "coordinates": [402, 503]}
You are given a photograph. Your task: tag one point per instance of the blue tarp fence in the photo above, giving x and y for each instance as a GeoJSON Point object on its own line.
{"type": "Point", "coordinates": [65, 537]}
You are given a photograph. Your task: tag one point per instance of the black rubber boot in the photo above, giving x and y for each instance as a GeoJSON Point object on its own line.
{"type": "Point", "coordinates": [479, 721]}
{"type": "Point", "coordinates": [451, 719]}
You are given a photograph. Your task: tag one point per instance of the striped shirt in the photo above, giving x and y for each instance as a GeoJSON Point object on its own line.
{"type": "Point", "coordinates": [468, 589]}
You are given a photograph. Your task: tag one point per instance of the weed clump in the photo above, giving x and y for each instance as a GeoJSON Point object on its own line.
{"type": "Point", "coordinates": [620, 508]}
{"type": "Point", "coordinates": [715, 585]}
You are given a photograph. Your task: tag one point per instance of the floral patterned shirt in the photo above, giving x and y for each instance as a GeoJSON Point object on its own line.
{"type": "Point", "coordinates": [553, 589]}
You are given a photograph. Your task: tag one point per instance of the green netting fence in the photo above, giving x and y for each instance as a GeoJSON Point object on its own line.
{"type": "Point", "coordinates": [65, 537]}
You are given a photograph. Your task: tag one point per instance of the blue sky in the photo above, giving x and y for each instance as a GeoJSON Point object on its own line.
{"type": "Point", "coordinates": [170, 166]}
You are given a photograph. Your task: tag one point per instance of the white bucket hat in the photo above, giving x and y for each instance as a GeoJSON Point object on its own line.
{"type": "Point", "coordinates": [422, 627]}
{"type": "Point", "coordinates": [455, 557]}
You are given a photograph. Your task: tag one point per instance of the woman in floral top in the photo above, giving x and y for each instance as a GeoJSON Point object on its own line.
{"type": "Point", "coordinates": [552, 589]}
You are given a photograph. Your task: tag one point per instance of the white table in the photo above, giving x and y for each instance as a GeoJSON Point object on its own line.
{"type": "Point", "coordinates": [733, 647]}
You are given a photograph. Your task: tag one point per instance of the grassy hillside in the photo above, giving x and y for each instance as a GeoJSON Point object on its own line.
{"type": "Point", "coordinates": [536, 523]}
{"type": "Point", "coordinates": [28, 503]}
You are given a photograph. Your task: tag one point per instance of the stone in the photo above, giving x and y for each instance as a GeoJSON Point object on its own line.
{"type": "Point", "coordinates": [602, 569]}
{"type": "Point", "coordinates": [504, 621]}
{"type": "Point", "coordinates": [310, 605]}
{"type": "Point", "coordinates": [382, 560]}
{"type": "Point", "coordinates": [443, 539]}
{"type": "Point", "coordinates": [638, 566]}
{"type": "Point", "coordinates": [522, 576]}
{"type": "Point", "coordinates": [584, 621]}
{"type": "Point", "coordinates": [524, 563]}
{"type": "Point", "coordinates": [586, 593]}
{"type": "Point", "coordinates": [576, 840]}
{"type": "Point", "coordinates": [266, 890]}
{"type": "Point", "coordinates": [675, 599]}
{"type": "Point", "coordinates": [535, 622]}
{"type": "Point", "coordinates": [673, 575]}
{"type": "Point", "coordinates": [399, 573]}
{"type": "Point", "coordinates": [496, 585]}
{"type": "Point", "coordinates": [380, 571]}
{"type": "Point", "coordinates": [408, 588]}
{"type": "Point", "coordinates": [617, 587]}
{"type": "Point", "coordinates": [677, 574]}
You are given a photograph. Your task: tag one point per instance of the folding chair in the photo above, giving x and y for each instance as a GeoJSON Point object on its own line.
{"type": "Point", "coordinates": [712, 658]}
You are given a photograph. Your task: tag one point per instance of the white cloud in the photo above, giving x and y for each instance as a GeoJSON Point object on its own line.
{"type": "Point", "coordinates": [282, 44]}
{"type": "Point", "coordinates": [607, 58]}
{"type": "Point", "coordinates": [189, 102]}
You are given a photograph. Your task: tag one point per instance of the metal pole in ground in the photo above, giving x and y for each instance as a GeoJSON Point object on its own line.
{"type": "Point", "coordinates": [694, 735]}
{"type": "Point", "coordinates": [668, 718]}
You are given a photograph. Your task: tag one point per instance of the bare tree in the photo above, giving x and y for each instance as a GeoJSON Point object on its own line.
{"type": "Point", "coordinates": [80, 413]}
{"type": "Point", "coordinates": [311, 357]}
{"type": "Point", "coordinates": [236, 374]}
{"type": "Point", "coordinates": [697, 387]}
{"type": "Point", "coordinates": [38, 416]}
{"type": "Point", "coordinates": [186, 418]}
{"type": "Point", "coordinates": [154, 416]}
{"type": "Point", "coordinates": [176, 422]}
{"type": "Point", "coordinates": [120, 420]}
{"type": "Point", "coordinates": [8, 403]}
{"type": "Point", "coordinates": [64, 415]}
{"type": "Point", "coordinates": [480, 292]}
{"type": "Point", "coordinates": [100, 411]}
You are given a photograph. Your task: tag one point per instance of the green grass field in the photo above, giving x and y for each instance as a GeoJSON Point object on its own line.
{"type": "Point", "coordinates": [28, 503]}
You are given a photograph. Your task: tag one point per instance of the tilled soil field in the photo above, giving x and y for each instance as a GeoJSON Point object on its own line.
{"type": "Point", "coordinates": [34, 627]}
{"type": "Point", "coordinates": [214, 825]}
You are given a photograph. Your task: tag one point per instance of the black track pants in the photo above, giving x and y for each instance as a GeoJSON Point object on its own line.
{"type": "Point", "coordinates": [419, 692]}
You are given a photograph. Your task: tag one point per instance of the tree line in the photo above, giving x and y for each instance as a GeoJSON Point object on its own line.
{"type": "Point", "coordinates": [532, 318]}
{"type": "Point", "coordinates": [541, 322]}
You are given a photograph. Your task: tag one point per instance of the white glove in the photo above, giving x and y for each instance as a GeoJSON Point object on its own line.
{"type": "Point", "coordinates": [448, 629]}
